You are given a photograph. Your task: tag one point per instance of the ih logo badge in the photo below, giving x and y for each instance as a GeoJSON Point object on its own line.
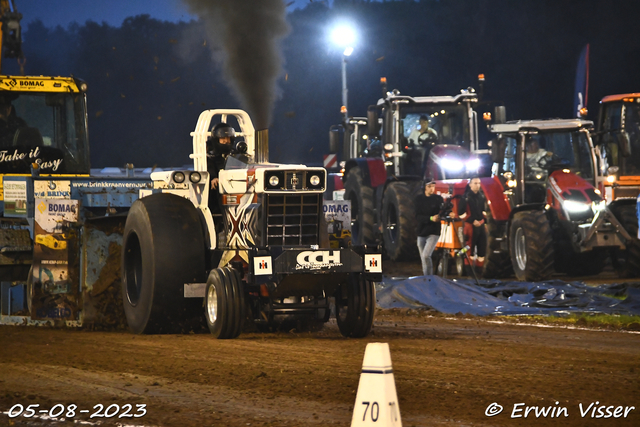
{"type": "Point", "coordinates": [262, 266]}
{"type": "Point", "coordinates": [373, 263]}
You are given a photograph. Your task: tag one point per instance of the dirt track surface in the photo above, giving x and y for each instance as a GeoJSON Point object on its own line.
{"type": "Point", "coordinates": [447, 372]}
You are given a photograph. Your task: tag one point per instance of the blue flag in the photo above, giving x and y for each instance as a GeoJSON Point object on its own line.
{"type": "Point", "coordinates": [582, 82]}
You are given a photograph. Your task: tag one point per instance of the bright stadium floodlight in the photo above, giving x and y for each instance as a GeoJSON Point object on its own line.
{"type": "Point", "coordinates": [343, 36]}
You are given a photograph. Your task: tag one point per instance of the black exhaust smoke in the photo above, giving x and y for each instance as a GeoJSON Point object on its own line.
{"type": "Point", "coordinates": [248, 32]}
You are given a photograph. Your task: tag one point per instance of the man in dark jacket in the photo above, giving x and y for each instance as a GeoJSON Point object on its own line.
{"type": "Point", "coordinates": [428, 205]}
{"type": "Point", "coordinates": [471, 210]}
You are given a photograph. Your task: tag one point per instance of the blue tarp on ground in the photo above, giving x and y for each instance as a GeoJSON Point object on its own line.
{"type": "Point", "coordinates": [496, 297]}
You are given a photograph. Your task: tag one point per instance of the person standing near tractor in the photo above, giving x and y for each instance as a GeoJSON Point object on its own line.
{"type": "Point", "coordinates": [471, 210]}
{"type": "Point", "coordinates": [428, 206]}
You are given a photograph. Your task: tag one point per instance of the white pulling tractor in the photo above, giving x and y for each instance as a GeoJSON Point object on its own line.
{"type": "Point", "coordinates": [263, 258]}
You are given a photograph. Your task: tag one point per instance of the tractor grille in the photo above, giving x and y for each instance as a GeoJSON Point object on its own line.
{"type": "Point", "coordinates": [293, 219]}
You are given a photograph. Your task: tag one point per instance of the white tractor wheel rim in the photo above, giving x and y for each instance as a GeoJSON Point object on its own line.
{"type": "Point", "coordinates": [212, 304]}
{"type": "Point", "coordinates": [521, 249]}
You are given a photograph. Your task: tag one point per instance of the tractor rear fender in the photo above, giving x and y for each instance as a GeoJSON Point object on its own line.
{"type": "Point", "coordinates": [373, 171]}
{"type": "Point", "coordinates": [498, 202]}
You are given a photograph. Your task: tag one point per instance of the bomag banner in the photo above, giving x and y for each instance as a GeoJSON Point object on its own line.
{"type": "Point", "coordinates": [54, 296]}
{"type": "Point", "coordinates": [337, 214]}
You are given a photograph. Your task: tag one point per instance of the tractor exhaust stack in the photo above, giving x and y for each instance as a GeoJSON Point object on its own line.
{"type": "Point", "coordinates": [262, 146]}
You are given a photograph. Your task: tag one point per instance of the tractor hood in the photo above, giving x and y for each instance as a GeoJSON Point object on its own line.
{"type": "Point", "coordinates": [574, 196]}
{"type": "Point", "coordinates": [452, 161]}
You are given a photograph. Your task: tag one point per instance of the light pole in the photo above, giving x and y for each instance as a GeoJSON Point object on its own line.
{"type": "Point", "coordinates": [344, 37]}
{"type": "Point", "coordinates": [345, 92]}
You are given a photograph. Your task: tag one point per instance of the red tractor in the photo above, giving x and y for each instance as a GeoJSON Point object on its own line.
{"type": "Point", "coordinates": [389, 153]}
{"type": "Point", "coordinates": [544, 211]}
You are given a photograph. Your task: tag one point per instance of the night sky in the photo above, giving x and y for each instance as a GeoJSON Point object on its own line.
{"type": "Point", "coordinates": [149, 80]}
{"type": "Point", "coordinates": [63, 12]}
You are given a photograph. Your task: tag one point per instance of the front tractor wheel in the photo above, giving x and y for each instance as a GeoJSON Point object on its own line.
{"type": "Point", "coordinates": [627, 262]}
{"type": "Point", "coordinates": [399, 222]}
{"type": "Point", "coordinates": [531, 246]}
{"type": "Point", "coordinates": [163, 248]}
{"type": "Point", "coordinates": [355, 307]}
{"type": "Point", "coordinates": [224, 303]}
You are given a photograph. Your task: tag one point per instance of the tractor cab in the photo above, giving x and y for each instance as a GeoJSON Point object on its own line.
{"type": "Point", "coordinates": [617, 138]}
{"type": "Point", "coordinates": [618, 133]}
{"type": "Point", "coordinates": [428, 135]}
{"type": "Point", "coordinates": [43, 126]}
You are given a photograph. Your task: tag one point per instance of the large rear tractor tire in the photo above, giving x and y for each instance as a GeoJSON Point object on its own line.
{"type": "Point", "coordinates": [627, 262]}
{"type": "Point", "coordinates": [224, 303]}
{"type": "Point", "coordinates": [399, 222]}
{"type": "Point", "coordinates": [355, 306]}
{"type": "Point", "coordinates": [362, 208]}
{"type": "Point", "coordinates": [163, 248]}
{"type": "Point", "coordinates": [531, 246]}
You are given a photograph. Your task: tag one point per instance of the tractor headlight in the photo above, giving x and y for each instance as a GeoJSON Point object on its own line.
{"type": "Point", "coordinates": [473, 165]}
{"type": "Point", "coordinates": [452, 165]}
{"type": "Point", "coordinates": [315, 180]}
{"type": "Point", "coordinates": [274, 181]}
{"type": "Point", "coordinates": [576, 207]}
{"type": "Point", "coordinates": [598, 206]}
{"type": "Point", "coordinates": [195, 177]}
{"type": "Point", "coordinates": [178, 177]}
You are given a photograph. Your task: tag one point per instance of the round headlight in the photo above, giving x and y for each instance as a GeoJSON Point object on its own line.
{"type": "Point", "coordinates": [195, 177]}
{"type": "Point", "coordinates": [178, 177]}
{"type": "Point", "coordinates": [273, 181]}
{"type": "Point", "coordinates": [388, 147]}
{"type": "Point", "coordinates": [314, 180]}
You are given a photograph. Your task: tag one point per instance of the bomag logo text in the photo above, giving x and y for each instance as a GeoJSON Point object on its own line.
{"type": "Point", "coordinates": [31, 83]}
{"type": "Point", "coordinates": [54, 207]}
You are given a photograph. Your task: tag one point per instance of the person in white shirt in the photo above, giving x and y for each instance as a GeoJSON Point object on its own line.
{"type": "Point", "coordinates": [423, 134]}
{"type": "Point", "coordinates": [537, 157]}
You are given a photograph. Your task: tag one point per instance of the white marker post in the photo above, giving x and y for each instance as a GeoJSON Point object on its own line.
{"type": "Point", "coordinates": [377, 400]}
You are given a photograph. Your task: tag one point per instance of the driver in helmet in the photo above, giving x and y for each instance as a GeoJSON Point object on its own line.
{"type": "Point", "coordinates": [219, 146]}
